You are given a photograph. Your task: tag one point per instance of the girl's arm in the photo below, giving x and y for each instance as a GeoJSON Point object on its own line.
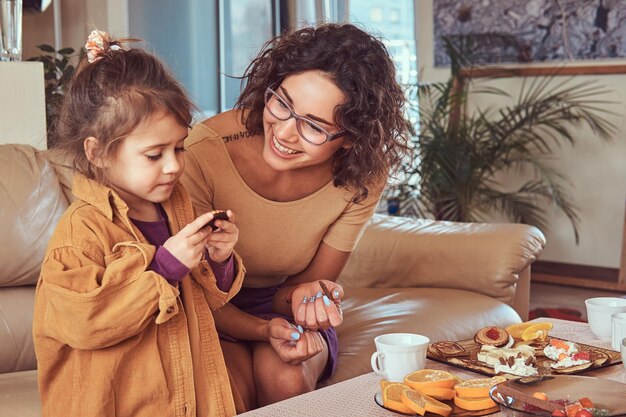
{"type": "Point", "coordinates": [93, 304]}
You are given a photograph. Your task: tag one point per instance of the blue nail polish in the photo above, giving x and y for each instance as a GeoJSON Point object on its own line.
{"type": "Point", "coordinates": [318, 295]}
{"type": "Point", "coordinates": [326, 300]}
{"type": "Point", "coordinates": [336, 294]}
{"type": "Point", "coordinates": [300, 329]}
{"type": "Point", "coordinates": [295, 336]}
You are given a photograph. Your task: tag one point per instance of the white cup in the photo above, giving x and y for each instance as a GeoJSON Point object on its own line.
{"type": "Point", "coordinates": [599, 311]}
{"type": "Point", "coordinates": [618, 330]}
{"type": "Point", "coordinates": [399, 354]}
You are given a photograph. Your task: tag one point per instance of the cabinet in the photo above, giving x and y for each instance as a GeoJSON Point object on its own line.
{"type": "Point", "coordinates": [22, 104]}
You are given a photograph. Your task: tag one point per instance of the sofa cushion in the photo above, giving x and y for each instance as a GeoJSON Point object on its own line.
{"type": "Point", "coordinates": [32, 203]}
{"type": "Point", "coordinates": [17, 351]}
{"type": "Point", "coordinates": [440, 314]}
{"type": "Point", "coordinates": [19, 396]}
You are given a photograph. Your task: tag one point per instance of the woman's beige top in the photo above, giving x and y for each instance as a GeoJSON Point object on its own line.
{"type": "Point", "coordinates": [276, 239]}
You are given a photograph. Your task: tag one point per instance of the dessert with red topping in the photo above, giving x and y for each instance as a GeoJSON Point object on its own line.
{"type": "Point", "coordinates": [492, 336]}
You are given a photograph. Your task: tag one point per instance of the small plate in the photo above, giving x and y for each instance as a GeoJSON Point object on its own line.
{"type": "Point", "coordinates": [378, 399]}
{"type": "Point", "coordinates": [605, 393]}
{"type": "Point", "coordinates": [456, 411]}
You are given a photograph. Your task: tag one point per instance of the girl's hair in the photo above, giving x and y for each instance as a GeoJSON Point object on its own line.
{"type": "Point", "coordinates": [373, 111]}
{"type": "Point", "coordinates": [111, 96]}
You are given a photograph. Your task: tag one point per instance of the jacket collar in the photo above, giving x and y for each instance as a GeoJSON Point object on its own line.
{"type": "Point", "coordinates": [98, 195]}
{"type": "Point", "coordinates": [108, 201]}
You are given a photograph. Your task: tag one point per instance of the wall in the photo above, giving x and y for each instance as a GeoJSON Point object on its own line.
{"type": "Point", "coordinates": [78, 18]}
{"type": "Point", "coordinates": [596, 170]}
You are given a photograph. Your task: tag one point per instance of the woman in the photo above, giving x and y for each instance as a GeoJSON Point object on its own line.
{"type": "Point", "coordinates": [302, 160]}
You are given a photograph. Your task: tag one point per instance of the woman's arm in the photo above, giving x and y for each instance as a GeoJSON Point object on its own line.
{"type": "Point", "coordinates": [317, 310]}
{"type": "Point", "coordinates": [240, 325]}
{"type": "Point", "coordinates": [292, 345]}
{"type": "Point", "coordinates": [327, 264]}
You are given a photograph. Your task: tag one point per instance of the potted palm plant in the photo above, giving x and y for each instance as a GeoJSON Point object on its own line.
{"type": "Point", "coordinates": [461, 155]}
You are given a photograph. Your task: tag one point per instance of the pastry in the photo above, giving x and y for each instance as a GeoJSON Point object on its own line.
{"type": "Point", "coordinates": [492, 336]}
{"type": "Point", "coordinates": [449, 349]}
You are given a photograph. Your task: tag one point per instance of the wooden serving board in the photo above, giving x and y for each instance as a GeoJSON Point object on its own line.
{"type": "Point", "coordinates": [598, 356]}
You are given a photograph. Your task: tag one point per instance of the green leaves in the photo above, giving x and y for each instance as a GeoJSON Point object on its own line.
{"type": "Point", "coordinates": [463, 157]}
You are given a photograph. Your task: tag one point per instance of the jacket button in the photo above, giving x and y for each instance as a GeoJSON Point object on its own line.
{"type": "Point", "coordinates": [169, 310]}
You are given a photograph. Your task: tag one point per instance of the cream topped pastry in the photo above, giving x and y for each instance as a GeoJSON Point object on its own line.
{"type": "Point", "coordinates": [519, 367]}
{"type": "Point", "coordinates": [558, 347]}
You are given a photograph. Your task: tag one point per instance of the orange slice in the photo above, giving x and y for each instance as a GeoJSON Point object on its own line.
{"type": "Point", "coordinates": [474, 404]}
{"type": "Point", "coordinates": [384, 383]}
{"type": "Point", "coordinates": [436, 407]}
{"type": "Point", "coordinates": [414, 401]}
{"type": "Point", "coordinates": [439, 393]}
{"type": "Point", "coordinates": [392, 398]}
{"type": "Point", "coordinates": [477, 387]}
{"type": "Point", "coordinates": [516, 330]}
{"type": "Point", "coordinates": [421, 379]}
{"type": "Point", "coordinates": [536, 331]}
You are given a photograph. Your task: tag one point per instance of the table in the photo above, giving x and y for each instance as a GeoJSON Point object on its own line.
{"type": "Point", "coordinates": [355, 397]}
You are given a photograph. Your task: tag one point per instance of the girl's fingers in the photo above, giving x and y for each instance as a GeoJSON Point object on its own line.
{"type": "Point", "coordinates": [200, 221]}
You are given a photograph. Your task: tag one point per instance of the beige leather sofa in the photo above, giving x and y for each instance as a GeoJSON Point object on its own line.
{"type": "Point", "coordinates": [441, 279]}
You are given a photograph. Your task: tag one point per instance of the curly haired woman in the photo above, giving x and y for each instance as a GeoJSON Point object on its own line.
{"type": "Point", "coordinates": [303, 159]}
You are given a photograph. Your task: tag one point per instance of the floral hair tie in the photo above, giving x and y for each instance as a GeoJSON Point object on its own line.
{"type": "Point", "coordinates": [99, 43]}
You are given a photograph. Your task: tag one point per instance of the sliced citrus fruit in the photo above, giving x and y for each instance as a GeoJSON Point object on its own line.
{"type": "Point", "coordinates": [516, 330]}
{"type": "Point", "coordinates": [437, 407]}
{"type": "Point", "coordinates": [438, 393]}
{"type": "Point", "coordinates": [477, 387]}
{"type": "Point", "coordinates": [536, 331]}
{"type": "Point", "coordinates": [392, 398]}
{"type": "Point", "coordinates": [474, 404]}
{"type": "Point", "coordinates": [414, 401]}
{"type": "Point", "coordinates": [384, 383]}
{"type": "Point", "coordinates": [423, 378]}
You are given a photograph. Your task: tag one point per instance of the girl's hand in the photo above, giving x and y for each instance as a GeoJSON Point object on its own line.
{"type": "Point", "coordinates": [292, 343]}
{"type": "Point", "coordinates": [188, 244]}
{"type": "Point", "coordinates": [220, 243]}
{"type": "Point", "coordinates": [313, 309]}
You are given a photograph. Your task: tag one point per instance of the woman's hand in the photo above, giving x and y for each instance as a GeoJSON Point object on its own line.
{"type": "Point", "coordinates": [313, 309]}
{"type": "Point", "coordinates": [220, 243]}
{"type": "Point", "coordinates": [292, 343]}
{"type": "Point", "coordinates": [188, 244]}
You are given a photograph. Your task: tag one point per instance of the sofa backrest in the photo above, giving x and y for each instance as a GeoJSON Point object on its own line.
{"type": "Point", "coordinates": [33, 196]}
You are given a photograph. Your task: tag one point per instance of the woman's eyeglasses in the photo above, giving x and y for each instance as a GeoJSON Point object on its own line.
{"type": "Point", "coordinates": [307, 128]}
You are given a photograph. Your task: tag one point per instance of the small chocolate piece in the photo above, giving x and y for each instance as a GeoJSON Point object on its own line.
{"type": "Point", "coordinates": [217, 215]}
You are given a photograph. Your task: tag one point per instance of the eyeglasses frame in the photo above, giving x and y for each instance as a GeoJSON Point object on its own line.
{"type": "Point", "coordinates": [292, 114]}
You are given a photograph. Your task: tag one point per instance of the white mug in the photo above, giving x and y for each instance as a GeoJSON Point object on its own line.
{"type": "Point", "coordinates": [618, 330]}
{"type": "Point", "coordinates": [399, 354]}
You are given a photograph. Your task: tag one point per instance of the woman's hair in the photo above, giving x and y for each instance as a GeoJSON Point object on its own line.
{"type": "Point", "coordinates": [373, 111]}
{"type": "Point", "coordinates": [110, 95]}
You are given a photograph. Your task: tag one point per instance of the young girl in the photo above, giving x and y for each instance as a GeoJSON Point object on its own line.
{"type": "Point", "coordinates": [123, 323]}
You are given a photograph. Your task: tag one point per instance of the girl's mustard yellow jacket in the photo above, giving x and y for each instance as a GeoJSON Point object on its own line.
{"type": "Point", "coordinates": [114, 339]}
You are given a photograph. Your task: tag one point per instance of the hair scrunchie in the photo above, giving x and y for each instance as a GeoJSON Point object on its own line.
{"type": "Point", "coordinates": [98, 44]}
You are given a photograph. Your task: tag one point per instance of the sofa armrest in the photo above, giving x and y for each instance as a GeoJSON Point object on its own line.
{"type": "Point", "coordinates": [488, 258]}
